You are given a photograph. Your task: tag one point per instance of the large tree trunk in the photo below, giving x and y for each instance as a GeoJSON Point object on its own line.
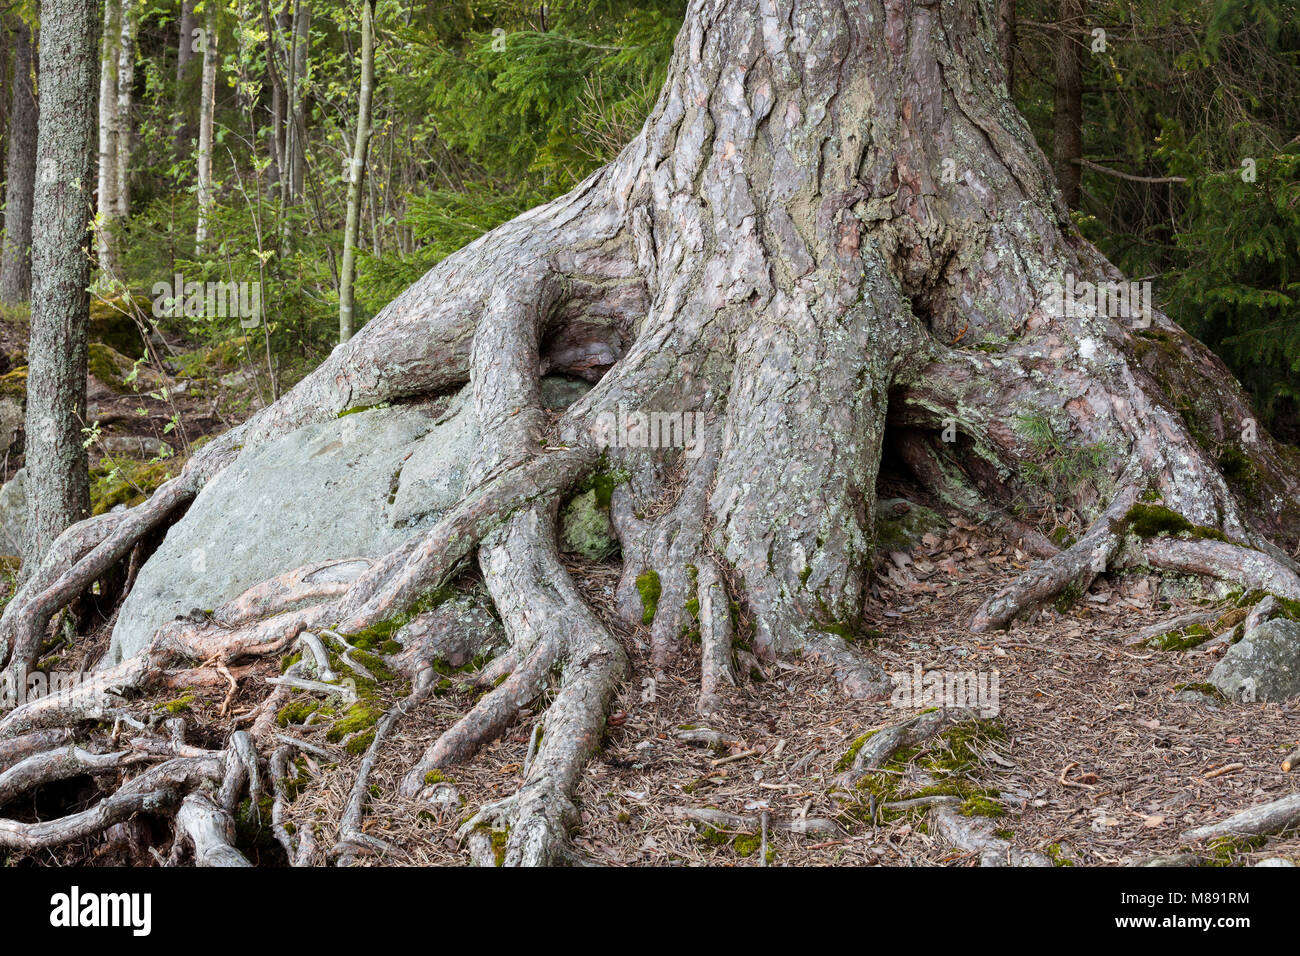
{"type": "Point", "coordinates": [57, 489]}
{"type": "Point", "coordinates": [16, 259]}
{"type": "Point", "coordinates": [833, 232]}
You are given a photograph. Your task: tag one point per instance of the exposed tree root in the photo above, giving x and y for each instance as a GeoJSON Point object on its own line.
{"type": "Point", "coordinates": [1262, 820]}
{"type": "Point", "coordinates": [209, 831]}
{"type": "Point", "coordinates": [1245, 567]}
{"type": "Point", "coordinates": [887, 741]}
{"type": "Point", "coordinates": [744, 823]}
{"type": "Point", "coordinates": [1074, 568]}
{"type": "Point", "coordinates": [975, 835]}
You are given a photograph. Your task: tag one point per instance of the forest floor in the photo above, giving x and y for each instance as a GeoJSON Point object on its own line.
{"type": "Point", "coordinates": [1092, 756]}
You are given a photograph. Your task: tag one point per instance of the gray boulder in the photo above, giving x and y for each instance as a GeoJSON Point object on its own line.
{"type": "Point", "coordinates": [319, 493]}
{"type": "Point", "coordinates": [434, 476]}
{"type": "Point", "coordinates": [1264, 665]}
{"type": "Point", "coordinates": [357, 486]}
{"type": "Point", "coordinates": [13, 514]}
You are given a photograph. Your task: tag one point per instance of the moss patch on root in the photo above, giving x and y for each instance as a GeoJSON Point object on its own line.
{"type": "Point", "coordinates": [648, 586]}
{"type": "Point", "coordinates": [1152, 521]}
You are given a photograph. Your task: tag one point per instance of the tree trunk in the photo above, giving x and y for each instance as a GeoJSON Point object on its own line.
{"type": "Point", "coordinates": [296, 135]}
{"type": "Point", "coordinates": [207, 108]}
{"type": "Point", "coordinates": [834, 232]}
{"type": "Point", "coordinates": [16, 259]}
{"type": "Point", "coordinates": [109, 49]}
{"type": "Point", "coordinates": [57, 485]}
{"type": "Point", "coordinates": [122, 111]}
{"type": "Point", "coordinates": [1007, 41]}
{"type": "Point", "coordinates": [187, 45]}
{"type": "Point", "coordinates": [357, 169]}
{"type": "Point", "coordinates": [1067, 147]}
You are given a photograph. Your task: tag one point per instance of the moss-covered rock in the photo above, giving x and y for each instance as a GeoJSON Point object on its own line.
{"type": "Point", "coordinates": [124, 481]}
{"type": "Point", "coordinates": [901, 524]}
{"type": "Point", "coordinates": [585, 528]}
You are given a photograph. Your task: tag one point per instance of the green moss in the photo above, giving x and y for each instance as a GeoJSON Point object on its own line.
{"type": "Point", "coordinates": [117, 481]}
{"type": "Point", "coordinates": [647, 585]}
{"type": "Point", "coordinates": [747, 844]}
{"type": "Point", "coordinates": [360, 716]}
{"type": "Point", "coordinates": [1150, 521]}
{"type": "Point", "coordinates": [1201, 688]}
{"type": "Point", "coordinates": [1062, 537]}
{"type": "Point", "coordinates": [360, 743]}
{"type": "Point", "coordinates": [358, 409]}
{"type": "Point", "coordinates": [253, 825]}
{"type": "Point", "coordinates": [437, 776]}
{"type": "Point", "coordinates": [980, 805]}
{"type": "Point", "coordinates": [1289, 608]}
{"type": "Point", "coordinates": [1184, 639]}
{"type": "Point", "coordinates": [1224, 851]}
{"type": "Point", "coordinates": [109, 366]}
{"type": "Point", "coordinates": [846, 761]}
{"type": "Point", "coordinates": [1055, 854]}
{"type": "Point", "coordinates": [14, 384]}
{"type": "Point", "coordinates": [177, 706]}
{"type": "Point", "coordinates": [296, 712]}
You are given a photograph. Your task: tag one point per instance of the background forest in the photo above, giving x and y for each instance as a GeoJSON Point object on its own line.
{"type": "Point", "coordinates": [228, 130]}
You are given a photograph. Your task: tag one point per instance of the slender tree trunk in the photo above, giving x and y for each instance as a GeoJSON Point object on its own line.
{"type": "Point", "coordinates": [297, 151]}
{"type": "Point", "coordinates": [207, 106]}
{"type": "Point", "coordinates": [1067, 145]}
{"type": "Point", "coordinates": [357, 169]}
{"type": "Point", "coordinates": [122, 112]}
{"type": "Point", "coordinates": [57, 484]}
{"type": "Point", "coordinates": [106, 233]}
{"type": "Point", "coordinates": [187, 46]}
{"type": "Point", "coordinates": [16, 259]}
{"type": "Point", "coordinates": [1007, 40]}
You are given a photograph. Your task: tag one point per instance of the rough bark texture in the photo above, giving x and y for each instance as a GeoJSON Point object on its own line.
{"type": "Point", "coordinates": [1067, 148]}
{"type": "Point", "coordinates": [833, 224]}
{"type": "Point", "coordinates": [16, 259]}
{"type": "Point", "coordinates": [58, 492]}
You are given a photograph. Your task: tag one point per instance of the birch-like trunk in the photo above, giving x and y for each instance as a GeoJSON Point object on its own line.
{"type": "Point", "coordinates": [122, 111]}
{"type": "Point", "coordinates": [357, 170]}
{"type": "Point", "coordinates": [207, 107]}
{"type": "Point", "coordinates": [106, 232]}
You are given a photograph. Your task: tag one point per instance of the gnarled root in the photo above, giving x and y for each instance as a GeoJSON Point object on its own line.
{"type": "Point", "coordinates": [1075, 567]}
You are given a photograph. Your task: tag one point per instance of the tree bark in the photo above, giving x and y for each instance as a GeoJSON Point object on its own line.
{"type": "Point", "coordinates": [357, 170]}
{"type": "Point", "coordinates": [1007, 41]}
{"type": "Point", "coordinates": [109, 56]}
{"type": "Point", "coordinates": [122, 111]}
{"type": "Point", "coordinates": [16, 259]}
{"type": "Point", "coordinates": [187, 45]}
{"type": "Point", "coordinates": [207, 108]}
{"type": "Point", "coordinates": [1067, 147]}
{"type": "Point", "coordinates": [57, 488]}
